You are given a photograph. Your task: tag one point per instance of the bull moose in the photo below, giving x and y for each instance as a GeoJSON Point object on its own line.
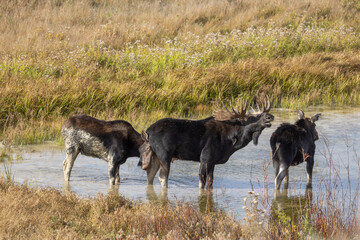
{"type": "Point", "coordinates": [292, 144]}
{"type": "Point", "coordinates": [112, 141]}
{"type": "Point", "coordinates": [210, 141]}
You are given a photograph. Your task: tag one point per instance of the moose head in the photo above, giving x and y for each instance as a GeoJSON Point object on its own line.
{"type": "Point", "coordinates": [309, 123]}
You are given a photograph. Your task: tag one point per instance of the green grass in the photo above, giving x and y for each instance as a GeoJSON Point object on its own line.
{"type": "Point", "coordinates": [110, 91]}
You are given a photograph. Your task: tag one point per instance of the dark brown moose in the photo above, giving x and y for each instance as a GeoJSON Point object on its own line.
{"type": "Point", "coordinates": [210, 141]}
{"type": "Point", "coordinates": [112, 141]}
{"type": "Point", "coordinates": [293, 144]}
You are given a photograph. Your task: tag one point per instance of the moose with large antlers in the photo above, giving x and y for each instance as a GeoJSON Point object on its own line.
{"type": "Point", "coordinates": [210, 141]}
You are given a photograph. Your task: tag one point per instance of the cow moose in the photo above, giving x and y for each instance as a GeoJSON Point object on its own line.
{"type": "Point", "coordinates": [210, 141]}
{"type": "Point", "coordinates": [292, 144]}
{"type": "Point", "coordinates": [112, 141]}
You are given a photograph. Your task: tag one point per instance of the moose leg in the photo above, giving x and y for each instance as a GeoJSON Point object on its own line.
{"type": "Point", "coordinates": [210, 177]}
{"type": "Point", "coordinates": [164, 172]}
{"type": "Point", "coordinates": [276, 166]}
{"type": "Point", "coordinates": [280, 176]}
{"type": "Point", "coordinates": [112, 172]}
{"type": "Point", "coordinates": [309, 170]}
{"type": "Point", "coordinates": [152, 169]}
{"type": "Point", "coordinates": [117, 173]}
{"type": "Point", "coordinates": [71, 154]}
{"type": "Point", "coordinates": [203, 175]}
{"type": "Point", "coordinates": [113, 167]}
{"type": "Point", "coordinates": [285, 154]}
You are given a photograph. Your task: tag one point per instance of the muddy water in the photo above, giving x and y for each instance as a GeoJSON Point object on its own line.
{"type": "Point", "coordinates": [249, 168]}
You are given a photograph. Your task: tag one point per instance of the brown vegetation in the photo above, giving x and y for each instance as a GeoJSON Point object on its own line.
{"type": "Point", "coordinates": [34, 213]}
{"type": "Point", "coordinates": [36, 24]}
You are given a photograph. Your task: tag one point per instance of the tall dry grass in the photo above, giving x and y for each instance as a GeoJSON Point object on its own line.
{"type": "Point", "coordinates": [33, 213]}
{"type": "Point", "coordinates": [143, 60]}
{"type": "Point", "coordinates": [118, 22]}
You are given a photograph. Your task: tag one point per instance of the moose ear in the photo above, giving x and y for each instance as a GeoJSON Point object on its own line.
{"type": "Point", "coordinates": [301, 114]}
{"type": "Point", "coordinates": [315, 117]}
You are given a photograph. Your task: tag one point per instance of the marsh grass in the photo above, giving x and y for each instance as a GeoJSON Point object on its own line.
{"type": "Point", "coordinates": [47, 213]}
{"type": "Point", "coordinates": [141, 60]}
{"type": "Point", "coordinates": [29, 116]}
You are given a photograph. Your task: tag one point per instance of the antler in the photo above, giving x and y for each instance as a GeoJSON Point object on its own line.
{"type": "Point", "coordinates": [265, 106]}
{"type": "Point", "coordinates": [224, 114]}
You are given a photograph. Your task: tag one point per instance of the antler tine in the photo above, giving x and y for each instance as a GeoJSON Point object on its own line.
{"type": "Point", "coordinates": [217, 105]}
{"type": "Point", "coordinates": [223, 113]}
{"type": "Point", "coordinates": [241, 106]}
{"type": "Point", "coordinates": [232, 108]}
{"type": "Point", "coordinates": [268, 105]}
{"type": "Point", "coordinates": [263, 105]}
{"type": "Point", "coordinates": [225, 107]}
{"type": "Point", "coordinates": [222, 107]}
{"type": "Point", "coordinates": [245, 108]}
{"type": "Point", "coordinates": [236, 112]}
{"type": "Point", "coordinates": [258, 108]}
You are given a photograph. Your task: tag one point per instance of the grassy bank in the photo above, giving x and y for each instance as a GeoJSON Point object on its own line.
{"type": "Point", "coordinates": [141, 61]}
{"type": "Point", "coordinates": [28, 213]}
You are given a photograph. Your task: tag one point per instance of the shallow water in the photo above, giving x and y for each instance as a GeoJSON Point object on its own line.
{"type": "Point", "coordinates": [336, 156]}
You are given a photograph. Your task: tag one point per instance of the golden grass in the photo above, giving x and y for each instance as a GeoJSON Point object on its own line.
{"type": "Point", "coordinates": [141, 61]}
{"type": "Point", "coordinates": [33, 213]}
{"type": "Point", "coordinates": [29, 25]}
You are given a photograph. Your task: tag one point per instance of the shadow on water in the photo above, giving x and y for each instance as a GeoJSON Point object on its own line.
{"type": "Point", "coordinates": [287, 211]}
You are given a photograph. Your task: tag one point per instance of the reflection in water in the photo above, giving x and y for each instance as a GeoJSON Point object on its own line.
{"type": "Point", "coordinates": [206, 201]}
{"type": "Point", "coordinates": [114, 190]}
{"type": "Point", "coordinates": [205, 198]}
{"type": "Point", "coordinates": [154, 198]}
{"type": "Point", "coordinates": [286, 210]}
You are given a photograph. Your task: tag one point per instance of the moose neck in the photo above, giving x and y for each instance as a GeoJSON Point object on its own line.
{"type": "Point", "coordinates": [247, 133]}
